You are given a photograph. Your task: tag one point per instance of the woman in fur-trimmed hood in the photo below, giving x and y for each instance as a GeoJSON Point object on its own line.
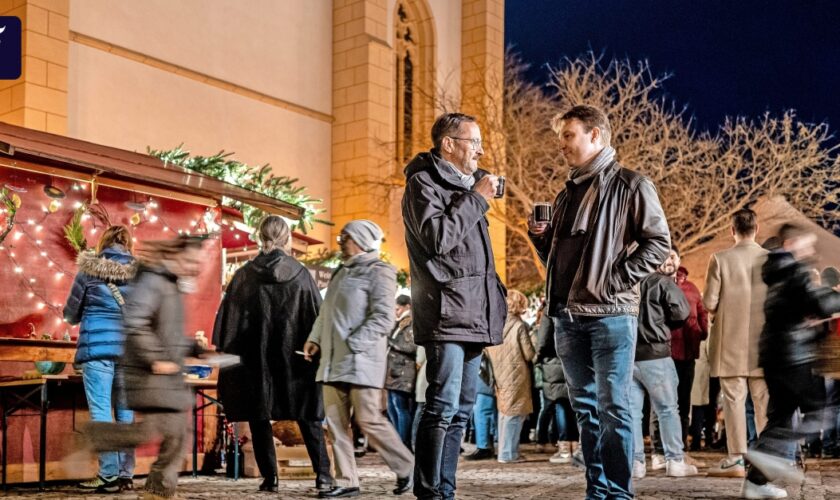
{"type": "Point", "coordinates": [95, 302]}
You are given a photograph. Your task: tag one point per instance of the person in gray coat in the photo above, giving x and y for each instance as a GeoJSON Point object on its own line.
{"type": "Point", "coordinates": [351, 337]}
{"type": "Point", "coordinates": [155, 348]}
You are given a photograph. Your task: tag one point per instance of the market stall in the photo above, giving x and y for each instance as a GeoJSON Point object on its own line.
{"type": "Point", "coordinates": [56, 195]}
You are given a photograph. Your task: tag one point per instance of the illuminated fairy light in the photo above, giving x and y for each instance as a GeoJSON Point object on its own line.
{"type": "Point", "coordinates": [18, 235]}
{"type": "Point", "coordinates": [38, 242]}
{"type": "Point", "coordinates": [153, 218]}
{"type": "Point", "coordinates": [30, 295]}
{"type": "Point", "coordinates": [40, 305]}
{"type": "Point", "coordinates": [39, 227]}
{"type": "Point", "coordinates": [59, 275]}
{"type": "Point", "coordinates": [58, 321]}
{"type": "Point", "coordinates": [50, 264]}
{"type": "Point", "coordinates": [30, 222]}
{"type": "Point", "coordinates": [32, 280]}
{"type": "Point", "coordinates": [165, 228]}
{"type": "Point", "coordinates": [18, 269]}
{"type": "Point", "coordinates": [43, 254]}
{"type": "Point", "coordinates": [77, 205]}
{"type": "Point", "coordinates": [93, 231]}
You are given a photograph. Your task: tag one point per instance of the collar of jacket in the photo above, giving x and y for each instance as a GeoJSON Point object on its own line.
{"type": "Point", "coordinates": [362, 259]}
{"type": "Point", "coordinates": [107, 265]}
{"type": "Point", "coordinates": [441, 168]}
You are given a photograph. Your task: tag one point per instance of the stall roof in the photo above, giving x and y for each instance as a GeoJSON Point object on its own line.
{"type": "Point", "coordinates": [106, 162]}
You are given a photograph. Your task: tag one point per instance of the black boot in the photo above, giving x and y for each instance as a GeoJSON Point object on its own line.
{"type": "Point", "coordinates": [269, 484]}
{"type": "Point", "coordinates": [480, 454]}
{"type": "Point", "coordinates": [404, 484]}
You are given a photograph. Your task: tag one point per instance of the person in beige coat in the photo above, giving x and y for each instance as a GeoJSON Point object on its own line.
{"type": "Point", "coordinates": [511, 363]}
{"type": "Point", "coordinates": [734, 296]}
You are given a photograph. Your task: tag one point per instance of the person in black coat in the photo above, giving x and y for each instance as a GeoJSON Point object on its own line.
{"type": "Point", "coordinates": [788, 351]}
{"type": "Point", "coordinates": [267, 313]}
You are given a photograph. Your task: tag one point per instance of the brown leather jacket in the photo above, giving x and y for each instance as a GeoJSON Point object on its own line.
{"type": "Point", "coordinates": [628, 239]}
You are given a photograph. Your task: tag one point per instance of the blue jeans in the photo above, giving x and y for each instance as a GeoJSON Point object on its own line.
{"type": "Point", "coordinates": [452, 372]}
{"type": "Point", "coordinates": [597, 355]}
{"type": "Point", "coordinates": [106, 397]}
{"type": "Point", "coordinates": [484, 421]}
{"type": "Point", "coordinates": [510, 426]}
{"type": "Point", "coordinates": [418, 411]}
{"type": "Point", "coordinates": [401, 414]}
{"type": "Point", "coordinates": [659, 378]}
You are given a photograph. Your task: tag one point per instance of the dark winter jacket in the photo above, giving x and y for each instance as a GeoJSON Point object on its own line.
{"type": "Point", "coordinates": [92, 303]}
{"type": "Point", "coordinates": [154, 329]}
{"type": "Point", "coordinates": [628, 239]}
{"type": "Point", "coordinates": [663, 307]}
{"type": "Point", "coordinates": [456, 294]}
{"type": "Point", "coordinates": [788, 339]}
{"type": "Point", "coordinates": [685, 339]}
{"type": "Point", "coordinates": [402, 358]}
{"type": "Point", "coordinates": [554, 379]}
{"type": "Point", "coordinates": [266, 315]}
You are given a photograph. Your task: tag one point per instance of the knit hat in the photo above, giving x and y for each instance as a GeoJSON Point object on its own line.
{"type": "Point", "coordinates": [365, 233]}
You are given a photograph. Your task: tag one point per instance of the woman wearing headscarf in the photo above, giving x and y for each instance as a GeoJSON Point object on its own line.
{"type": "Point", "coordinates": [267, 313]}
{"type": "Point", "coordinates": [95, 302]}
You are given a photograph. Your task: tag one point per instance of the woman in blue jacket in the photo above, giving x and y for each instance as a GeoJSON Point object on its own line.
{"type": "Point", "coordinates": [95, 301]}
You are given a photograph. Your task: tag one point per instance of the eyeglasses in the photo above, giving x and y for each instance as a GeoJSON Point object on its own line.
{"type": "Point", "coordinates": [476, 142]}
{"type": "Point", "coordinates": [341, 238]}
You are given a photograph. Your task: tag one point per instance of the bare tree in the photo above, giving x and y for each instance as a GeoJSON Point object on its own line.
{"type": "Point", "coordinates": [702, 178]}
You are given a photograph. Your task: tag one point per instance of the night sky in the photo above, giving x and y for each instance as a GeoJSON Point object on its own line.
{"type": "Point", "coordinates": [732, 57]}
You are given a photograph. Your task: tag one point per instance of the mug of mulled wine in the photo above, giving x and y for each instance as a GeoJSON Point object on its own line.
{"type": "Point", "coordinates": [542, 212]}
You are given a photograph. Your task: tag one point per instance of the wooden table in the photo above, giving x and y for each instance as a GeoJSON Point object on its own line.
{"type": "Point", "coordinates": [32, 394]}
{"type": "Point", "coordinates": [13, 349]}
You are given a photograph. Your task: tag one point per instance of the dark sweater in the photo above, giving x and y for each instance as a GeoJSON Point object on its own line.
{"type": "Point", "coordinates": [663, 307]}
{"type": "Point", "coordinates": [570, 247]}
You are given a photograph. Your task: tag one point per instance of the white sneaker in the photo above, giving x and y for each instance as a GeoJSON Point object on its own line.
{"type": "Point", "coordinates": [693, 461]}
{"type": "Point", "coordinates": [639, 470]}
{"type": "Point", "coordinates": [657, 462]}
{"type": "Point", "coordinates": [775, 468]}
{"type": "Point", "coordinates": [563, 455]}
{"type": "Point", "coordinates": [754, 491]}
{"type": "Point", "coordinates": [678, 468]}
{"type": "Point", "coordinates": [729, 467]}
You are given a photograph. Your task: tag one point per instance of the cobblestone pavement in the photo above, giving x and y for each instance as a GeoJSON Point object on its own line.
{"type": "Point", "coordinates": [534, 479]}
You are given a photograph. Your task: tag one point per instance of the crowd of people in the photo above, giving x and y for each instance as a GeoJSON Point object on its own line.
{"type": "Point", "coordinates": [623, 344]}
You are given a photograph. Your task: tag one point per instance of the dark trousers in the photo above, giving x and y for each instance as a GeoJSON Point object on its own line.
{"type": "Point", "coordinates": [704, 417]}
{"type": "Point", "coordinates": [313, 438]}
{"type": "Point", "coordinates": [789, 389]}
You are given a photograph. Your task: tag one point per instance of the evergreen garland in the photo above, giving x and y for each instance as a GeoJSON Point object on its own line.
{"type": "Point", "coordinates": [252, 178]}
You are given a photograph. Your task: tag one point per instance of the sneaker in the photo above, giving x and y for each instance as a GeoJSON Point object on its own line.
{"type": "Point", "coordinates": [775, 468]}
{"type": "Point", "coordinates": [126, 484]}
{"type": "Point", "coordinates": [678, 468]}
{"type": "Point", "coordinates": [657, 462]}
{"type": "Point", "coordinates": [577, 458]}
{"type": "Point", "coordinates": [480, 454]}
{"type": "Point", "coordinates": [98, 482]}
{"type": "Point", "coordinates": [729, 467]}
{"type": "Point", "coordinates": [693, 461]}
{"type": "Point", "coordinates": [759, 491]}
{"type": "Point", "coordinates": [563, 455]}
{"type": "Point", "coordinates": [516, 460]}
{"type": "Point", "coordinates": [639, 470]}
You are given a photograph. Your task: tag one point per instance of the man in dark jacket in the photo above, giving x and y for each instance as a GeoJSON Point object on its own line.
{"type": "Point", "coordinates": [788, 350]}
{"type": "Point", "coordinates": [663, 306]}
{"type": "Point", "coordinates": [458, 299]}
{"type": "Point", "coordinates": [268, 311]}
{"type": "Point", "coordinates": [607, 232]}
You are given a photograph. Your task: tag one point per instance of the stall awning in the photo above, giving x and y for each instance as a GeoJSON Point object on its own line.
{"type": "Point", "coordinates": [24, 148]}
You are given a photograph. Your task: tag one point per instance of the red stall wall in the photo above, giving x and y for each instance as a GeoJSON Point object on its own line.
{"type": "Point", "coordinates": [37, 267]}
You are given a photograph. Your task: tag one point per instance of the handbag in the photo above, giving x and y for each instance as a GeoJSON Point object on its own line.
{"type": "Point", "coordinates": [485, 371]}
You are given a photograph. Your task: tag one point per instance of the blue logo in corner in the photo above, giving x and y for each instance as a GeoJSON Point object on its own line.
{"type": "Point", "coordinates": [10, 48]}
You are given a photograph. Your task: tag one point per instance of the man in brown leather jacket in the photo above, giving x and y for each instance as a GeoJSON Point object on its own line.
{"type": "Point", "coordinates": [607, 232]}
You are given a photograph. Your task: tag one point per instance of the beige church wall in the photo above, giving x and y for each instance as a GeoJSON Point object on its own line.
{"type": "Point", "coordinates": [118, 102]}
{"type": "Point", "coordinates": [281, 48]}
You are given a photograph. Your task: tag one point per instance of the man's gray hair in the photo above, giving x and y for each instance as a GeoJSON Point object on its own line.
{"type": "Point", "coordinates": [448, 124]}
{"type": "Point", "coordinates": [590, 116]}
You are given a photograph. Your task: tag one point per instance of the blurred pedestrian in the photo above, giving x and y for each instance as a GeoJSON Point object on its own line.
{"type": "Point", "coordinates": [95, 303]}
{"type": "Point", "coordinates": [155, 349]}
{"type": "Point", "coordinates": [265, 318]}
{"type": "Point", "coordinates": [789, 349]}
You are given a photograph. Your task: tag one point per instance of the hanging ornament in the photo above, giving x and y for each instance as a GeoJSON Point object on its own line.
{"type": "Point", "coordinates": [16, 200]}
{"type": "Point", "coordinates": [53, 206]}
{"type": "Point", "coordinates": [53, 192]}
{"type": "Point", "coordinates": [135, 219]}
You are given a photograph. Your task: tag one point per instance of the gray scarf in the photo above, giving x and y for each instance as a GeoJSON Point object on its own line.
{"type": "Point", "coordinates": [582, 174]}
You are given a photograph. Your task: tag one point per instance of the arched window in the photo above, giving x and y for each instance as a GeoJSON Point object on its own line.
{"type": "Point", "coordinates": [406, 50]}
